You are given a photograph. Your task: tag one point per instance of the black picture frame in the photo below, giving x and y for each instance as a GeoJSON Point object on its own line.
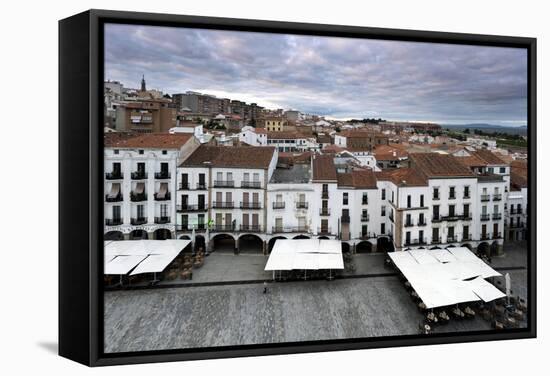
{"type": "Point", "coordinates": [81, 185]}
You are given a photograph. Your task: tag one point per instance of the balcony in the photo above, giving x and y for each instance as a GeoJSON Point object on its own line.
{"type": "Point", "coordinates": [466, 217]}
{"type": "Point", "coordinates": [516, 211]}
{"type": "Point", "coordinates": [201, 186]}
{"type": "Point", "coordinates": [436, 218]}
{"type": "Point", "coordinates": [517, 225]}
{"type": "Point", "coordinates": [368, 235]}
{"type": "Point", "coordinates": [436, 197]}
{"type": "Point", "coordinates": [251, 205]}
{"type": "Point", "coordinates": [116, 175]}
{"type": "Point", "coordinates": [497, 235]}
{"type": "Point", "coordinates": [497, 216]}
{"type": "Point", "coordinates": [162, 175]}
{"type": "Point", "coordinates": [466, 237]}
{"type": "Point", "coordinates": [139, 175]}
{"type": "Point", "coordinates": [278, 205]}
{"type": "Point", "coordinates": [324, 211]}
{"type": "Point", "coordinates": [251, 228]}
{"type": "Point", "coordinates": [190, 208]}
{"type": "Point", "coordinates": [452, 197]}
{"type": "Point", "coordinates": [183, 186]}
{"type": "Point", "coordinates": [409, 242]}
{"type": "Point", "coordinates": [497, 197]}
{"type": "Point", "coordinates": [251, 184]}
{"type": "Point", "coordinates": [224, 184]}
{"type": "Point", "coordinates": [113, 221]}
{"type": "Point", "coordinates": [451, 217]}
{"type": "Point", "coordinates": [345, 219]}
{"type": "Point", "coordinates": [324, 194]}
{"type": "Point", "coordinates": [485, 236]}
{"type": "Point", "coordinates": [138, 197]}
{"type": "Point", "coordinates": [323, 231]}
{"type": "Point", "coordinates": [162, 220]}
{"type": "Point", "coordinates": [222, 228]}
{"type": "Point", "coordinates": [485, 217]}
{"type": "Point", "coordinates": [436, 240]}
{"type": "Point", "coordinates": [186, 227]}
{"type": "Point", "coordinates": [365, 202]}
{"type": "Point", "coordinates": [117, 198]}
{"type": "Point", "coordinates": [422, 223]}
{"type": "Point", "coordinates": [466, 196]}
{"type": "Point", "coordinates": [167, 197]}
{"type": "Point", "coordinates": [138, 221]}
{"type": "Point", "coordinates": [485, 198]}
{"type": "Point", "coordinates": [408, 224]}
{"type": "Point", "coordinates": [280, 229]}
{"type": "Point", "coordinates": [223, 205]}
{"type": "Point", "coordinates": [301, 205]}
{"type": "Point", "coordinates": [452, 239]}
{"type": "Point", "coordinates": [365, 217]}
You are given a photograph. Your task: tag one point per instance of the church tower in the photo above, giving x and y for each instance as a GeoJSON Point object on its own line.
{"type": "Point", "coordinates": [143, 88]}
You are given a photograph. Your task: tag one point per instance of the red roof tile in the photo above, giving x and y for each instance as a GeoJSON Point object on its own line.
{"type": "Point", "coordinates": [439, 165]}
{"type": "Point", "coordinates": [323, 168]}
{"type": "Point", "coordinates": [153, 141]}
{"type": "Point", "coordinates": [258, 157]}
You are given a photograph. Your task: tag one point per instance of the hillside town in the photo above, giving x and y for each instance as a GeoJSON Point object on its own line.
{"type": "Point", "coordinates": [233, 174]}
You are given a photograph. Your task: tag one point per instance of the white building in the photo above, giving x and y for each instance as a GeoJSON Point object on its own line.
{"type": "Point", "coordinates": [482, 142]}
{"type": "Point", "coordinates": [253, 136]}
{"type": "Point", "coordinates": [140, 182]}
{"type": "Point", "coordinates": [292, 141]}
{"type": "Point", "coordinates": [222, 194]}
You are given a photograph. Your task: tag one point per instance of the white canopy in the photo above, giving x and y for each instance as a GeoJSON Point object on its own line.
{"type": "Point", "coordinates": [146, 256]}
{"type": "Point", "coordinates": [305, 254]}
{"type": "Point", "coordinates": [442, 277]}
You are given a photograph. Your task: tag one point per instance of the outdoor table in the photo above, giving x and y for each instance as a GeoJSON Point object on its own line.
{"type": "Point", "coordinates": [458, 313]}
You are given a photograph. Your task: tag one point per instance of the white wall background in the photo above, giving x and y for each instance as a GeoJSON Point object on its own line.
{"type": "Point", "coordinates": [29, 131]}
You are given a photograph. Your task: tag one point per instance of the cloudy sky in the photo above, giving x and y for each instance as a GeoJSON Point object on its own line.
{"type": "Point", "coordinates": [335, 77]}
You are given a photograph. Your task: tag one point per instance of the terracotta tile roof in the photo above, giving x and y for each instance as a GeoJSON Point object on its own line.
{"type": "Point", "coordinates": [439, 165]}
{"type": "Point", "coordinates": [287, 135]}
{"type": "Point", "coordinates": [360, 134]}
{"type": "Point", "coordinates": [112, 139]}
{"type": "Point", "coordinates": [333, 149]}
{"type": "Point", "coordinates": [323, 168]}
{"type": "Point", "coordinates": [472, 161]}
{"type": "Point", "coordinates": [517, 181]}
{"type": "Point", "coordinates": [362, 179]}
{"type": "Point", "coordinates": [258, 157]}
{"type": "Point", "coordinates": [388, 153]}
{"type": "Point", "coordinates": [519, 167]}
{"type": "Point", "coordinates": [403, 177]}
{"type": "Point", "coordinates": [489, 157]}
{"type": "Point", "coordinates": [153, 141]}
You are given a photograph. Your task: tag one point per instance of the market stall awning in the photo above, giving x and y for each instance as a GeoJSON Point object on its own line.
{"type": "Point", "coordinates": [146, 256]}
{"type": "Point", "coordinates": [305, 254]}
{"type": "Point", "coordinates": [447, 276]}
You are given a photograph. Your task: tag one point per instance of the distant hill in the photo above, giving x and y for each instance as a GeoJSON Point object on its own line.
{"type": "Point", "coordinates": [522, 129]}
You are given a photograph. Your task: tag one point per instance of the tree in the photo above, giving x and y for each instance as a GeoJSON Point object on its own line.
{"type": "Point", "coordinates": [467, 131]}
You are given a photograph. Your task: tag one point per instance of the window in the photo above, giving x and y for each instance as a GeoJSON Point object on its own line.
{"type": "Point", "coordinates": [164, 152]}
{"type": "Point", "coordinates": [435, 235]}
{"type": "Point", "coordinates": [229, 176]}
{"type": "Point", "coordinates": [421, 201]}
{"type": "Point", "coordinates": [408, 237]}
{"type": "Point", "coordinates": [256, 176]}
{"type": "Point", "coordinates": [451, 210]}
{"type": "Point", "coordinates": [345, 198]}
{"type": "Point", "coordinates": [392, 197]}
{"type": "Point", "coordinates": [164, 210]}
{"type": "Point", "coordinates": [503, 170]}
{"type": "Point", "coordinates": [364, 230]}
{"type": "Point", "coordinates": [451, 192]}
{"type": "Point", "coordinates": [491, 170]}
{"type": "Point", "coordinates": [465, 232]}
{"type": "Point", "coordinates": [408, 221]}
{"type": "Point", "coordinates": [421, 236]}
{"type": "Point", "coordinates": [140, 211]}
{"type": "Point", "coordinates": [495, 209]}
{"type": "Point", "coordinates": [421, 219]}
{"type": "Point", "coordinates": [383, 211]}
{"type": "Point", "coordinates": [365, 200]}
{"type": "Point", "coordinates": [435, 212]}
{"type": "Point", "coordinates": [115, 151]}
{"type": "Point", "coordinates": [451, 232]}
{"type": "Point", "coordinates": [466, 211]}
{"type": "Point", "coordinates": [382, 228]}
{"type": "Point", "coordinates": [466, 191]}
{"type": "Point", "coordinates": [219, 176]}
{"type": "Point", "coordinates": [408, 200]}
{"type": "Point", "coordinates": [436, 193]}
{"type": "Point", "coordinates": [246, 176]}
{"type": "Point", "coordinates": [116, 212]}
{"type": "Point", "coordinates": [383, 194]}
{"type": "Point", "coordinates": [140, 151]}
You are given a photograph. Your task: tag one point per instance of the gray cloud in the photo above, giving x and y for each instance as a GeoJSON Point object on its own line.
{"type": "Point", "coordinates": [335, 77]}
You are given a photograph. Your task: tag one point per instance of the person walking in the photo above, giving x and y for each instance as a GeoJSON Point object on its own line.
{"type": "Point", "coordinates": [265, 287]}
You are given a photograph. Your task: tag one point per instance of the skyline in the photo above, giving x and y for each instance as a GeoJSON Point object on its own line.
{"type": "Point", "coordinates": [339, 78]}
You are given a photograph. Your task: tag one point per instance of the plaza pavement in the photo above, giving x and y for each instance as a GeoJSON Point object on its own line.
{"type": "Point", "coordinates": [230, 313]}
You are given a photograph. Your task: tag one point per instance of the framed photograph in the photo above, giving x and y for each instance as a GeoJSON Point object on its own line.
{"type": "Point", "coordinates": [238, 187]}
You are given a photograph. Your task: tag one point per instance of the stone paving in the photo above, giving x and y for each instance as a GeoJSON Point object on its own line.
{"type": "Point", "coordinates": [373, 304]}
{"type": "Point", "coordinates": [223, 315]}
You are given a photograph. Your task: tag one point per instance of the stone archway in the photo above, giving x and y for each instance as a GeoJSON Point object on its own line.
{"type": "Point", "coordinates": [113, 235]}
{"type": "Point", "coordinates": [162, 234]}
{"type": "Point", "coordinates": [250, 243]}
{"type": "Point", "coordinates": [384, 244]}
{"type": "Point", "coordinates": [323, 238]}
{"type": "Point", "coordinates": [138, 234]}
{"type": "Point", "coordinates": [301, 237]}
{"type": "Point", "coordinates": [200, 243]}
{"type": "Point", "coordinates": [495, 248]}
{"type": "Point", "coordinates": [483, 249]}
{"type": "Point", "coordinates": [345, 247]}
{"type": "Point", "coordinates": [223, 243]}
{"type": "Point", "coordinates": [363, 247]}
{"type": "Point", "coordinates": [469, 246]}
